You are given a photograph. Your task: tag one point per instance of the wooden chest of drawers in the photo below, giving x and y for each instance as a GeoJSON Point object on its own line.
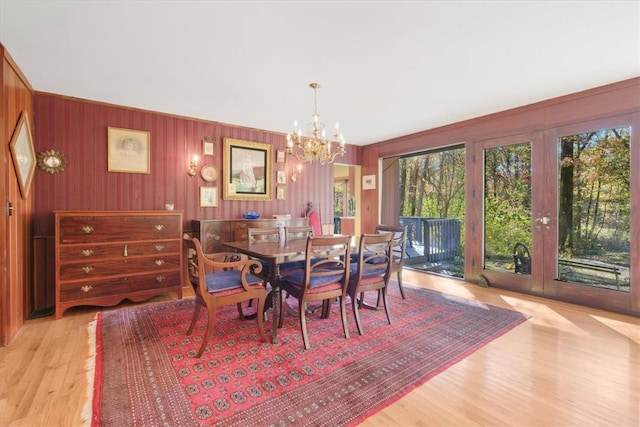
{"type": "Point", "coordinates": [213, 232]}
{"type": "Point", "coordinates": [104, 257]}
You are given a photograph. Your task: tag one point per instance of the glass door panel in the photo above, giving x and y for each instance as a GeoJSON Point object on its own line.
{"type": "Point", "coordinates": [594, 208]}
{"type": "Point", "coordinates": [507, 208]}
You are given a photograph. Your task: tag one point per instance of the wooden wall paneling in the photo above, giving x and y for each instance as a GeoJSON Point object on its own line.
{"type": "Point", "coordinates": [16, 96]}
{"type": "Point", "coordinates": [78, 128]}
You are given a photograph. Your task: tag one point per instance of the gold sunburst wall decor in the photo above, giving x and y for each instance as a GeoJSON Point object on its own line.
{"type": "Point", "coordinates": [51, 161]}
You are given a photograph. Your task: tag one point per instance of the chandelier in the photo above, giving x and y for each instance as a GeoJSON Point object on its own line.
{"type": "Point", "coordinates": [314, 145]}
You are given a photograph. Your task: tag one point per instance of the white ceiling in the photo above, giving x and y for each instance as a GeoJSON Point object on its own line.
{"type": "Point", "coordinates": [386, 68]}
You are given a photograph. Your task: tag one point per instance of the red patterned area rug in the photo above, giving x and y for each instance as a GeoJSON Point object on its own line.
{"type": "Point", "coordinates": [146, 372]}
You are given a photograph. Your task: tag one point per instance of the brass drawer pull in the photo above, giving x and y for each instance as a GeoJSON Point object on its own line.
{"type": "Point", "coordinates": [159, 262]}
{"type": "Point", "coordinates": [87, 269]}
{"type": "Point", "coordinates": [159, 227]}
{"type": "Point", "coordinates": [159, 248]}
{"type": "Point", "coordinates": [86, 288]}
{"type": "Point", "coordinates": [160, 279]}
{"type": "Point", "coordinates": [87, 229]}
{"type": "Point", "coordinates": [87, 252]}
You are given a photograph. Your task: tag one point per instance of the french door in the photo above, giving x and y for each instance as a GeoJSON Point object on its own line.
{"type": "Point", "coordinates": [554, 214]}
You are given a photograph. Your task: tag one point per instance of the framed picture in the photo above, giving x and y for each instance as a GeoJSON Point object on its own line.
{"type": "Point", "coordinates": [369, 182]}
{"type": "Point", "coordinates": [209, 173]}
{"type": "Point", "coordinates": [128, 150]}
{"type": "Point", "coordinates": [208, 148]}
{"type": "Point", "coordinates": [282, 177]}
{"type": "Point", "coordinates": [208, 197]}
{"type": "Point", "coordinates": [247, 170]}
{"type": "Point", "coordinates": [281, 193]}
{"type": "Point", "coordinates": [22, 153]}
{"type": "Point", "coordinates": [280, 156]}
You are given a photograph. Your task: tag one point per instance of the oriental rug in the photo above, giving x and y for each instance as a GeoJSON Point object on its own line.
{"type": "Point", "coordinates": [146, 372]}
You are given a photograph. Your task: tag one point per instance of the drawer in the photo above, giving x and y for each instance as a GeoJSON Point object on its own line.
{"type": "Point", "coordinates": [98, 269]}
{"type": "Point", "coordinates": [88, 289]}
{"type": "Point", "coordinates": [80, 252]}
{"type": "Point", "coordinates": [101, 229]}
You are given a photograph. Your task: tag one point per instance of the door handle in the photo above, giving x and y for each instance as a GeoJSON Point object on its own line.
{"type": "Point", "coordinates": [544, 220]}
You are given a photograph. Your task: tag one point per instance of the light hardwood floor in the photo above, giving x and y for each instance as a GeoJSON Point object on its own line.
{"type": "Point", "coordinates": [566, 366]}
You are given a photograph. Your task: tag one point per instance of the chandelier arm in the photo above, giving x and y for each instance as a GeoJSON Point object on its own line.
{"type": "Point", "coordinates": [316, 145]}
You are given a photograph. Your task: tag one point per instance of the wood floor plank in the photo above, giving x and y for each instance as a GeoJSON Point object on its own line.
{"type": "Point", "coordinates": [566, 366]}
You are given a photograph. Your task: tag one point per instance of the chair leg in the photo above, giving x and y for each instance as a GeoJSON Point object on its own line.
{"type": "Point", "coordinates": [385, 302]}
{"type": "Point", "coordinates": [354, 304]}
{"type": "Point", "coordinates": [326, 309]}
{"type": "Point", "coordinates": [400, 284]}
{"type": "Point", "coordinates": [240, 312]}
{"type": "Point", "coordinates": [303, 325]}
{"type": "Point", "coordinates": [260, 317]}
{"type": "Point", "coordinates": [196, 314]}
{"type": "Point", "coordinates": [205, 339]}
{"type": "Point", "coordinates": [343, 312]}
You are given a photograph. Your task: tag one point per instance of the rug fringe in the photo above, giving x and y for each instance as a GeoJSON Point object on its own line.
{"type": "Point", "coordinates": [90, 368]}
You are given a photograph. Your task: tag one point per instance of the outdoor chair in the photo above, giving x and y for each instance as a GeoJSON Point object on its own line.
{"type": "Point", "coordinates": [325, 276]}
{"type": "Point", "coordinates": [371, 272]}
{"type": "Point", "coordinates": [222, 279]}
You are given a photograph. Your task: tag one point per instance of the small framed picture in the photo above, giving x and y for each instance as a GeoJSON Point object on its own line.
{"type": "Point", "coordinates": [128, 150]}
{"type": "Point", "coordinates": [208, 197]}
{"type": "Point", "coordinates": [280, 156]}
{"type": "Point", "coordinates": [282, 177]}
{"type": "Point", "coordinates": [209, 173]}
{"type": "Point", "coordinates": [281, 193]}
{"type": "Point", "coordinates": [369, 182]}
{"type": "Point", "coordinates": [208, 148]}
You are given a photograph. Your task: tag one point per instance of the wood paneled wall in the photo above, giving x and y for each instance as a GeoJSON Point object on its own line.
{"type": "Point", "coordinates": [605, 101]}
{"type": "Point", "coordinates": [78, 129]}
{"type": "Point", "coordinates": [16, 96]}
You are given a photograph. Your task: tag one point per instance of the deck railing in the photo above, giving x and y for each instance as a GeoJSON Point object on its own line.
{"type": "Point", "coordinates": [440, 237]}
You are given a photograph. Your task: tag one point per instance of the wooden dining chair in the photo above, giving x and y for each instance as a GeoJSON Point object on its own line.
{"type": "Point", "coordinates": [398, 249]}
{"type": "Point", "coordinates": [371, 272]}
{"type": "Point", "coordinates": [222, 279]}
{"type": "Point", "coordinates": [325, 276]}
{"type": "Point", "coordinates": [264, 235]}
{"type": "Point", "coordinates": [290, 234]}
{"type": "Point", "coordinates": [297, 233]}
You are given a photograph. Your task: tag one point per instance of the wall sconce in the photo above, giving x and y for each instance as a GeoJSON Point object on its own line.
{"type": "Point", "coordinates": [296, 172]}
{"type": "Point", "coordinates": [193, 166]}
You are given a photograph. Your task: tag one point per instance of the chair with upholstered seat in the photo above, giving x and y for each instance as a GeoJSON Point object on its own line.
{"type": "Point", "coordinates": [398, 248]}
{"type": "Point", "coordinates": [325, 276]}
{"type": "Point", "coordinates": [370, 272]}
{"type": "Point", "coordinates": [222, 279]}
{"type": "Point", "coordinates": [290, 234]}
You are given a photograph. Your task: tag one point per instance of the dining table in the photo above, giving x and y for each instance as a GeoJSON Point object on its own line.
{"type": "Point", "coordinates": [276, 254]}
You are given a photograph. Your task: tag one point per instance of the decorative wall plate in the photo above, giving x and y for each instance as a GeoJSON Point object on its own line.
{"type": "Point", "coordinates": [209, 173]}
{"type": "Point", "coordinates": [51, 161]}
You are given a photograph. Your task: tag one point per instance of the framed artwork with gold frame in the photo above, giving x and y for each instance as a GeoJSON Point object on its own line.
{"type": "Point", "coordinates": [247, 170]}
{"type": "Point", "coordinates": [128, 150]}
{"type": "Point", "coordinates": [23, 154]}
